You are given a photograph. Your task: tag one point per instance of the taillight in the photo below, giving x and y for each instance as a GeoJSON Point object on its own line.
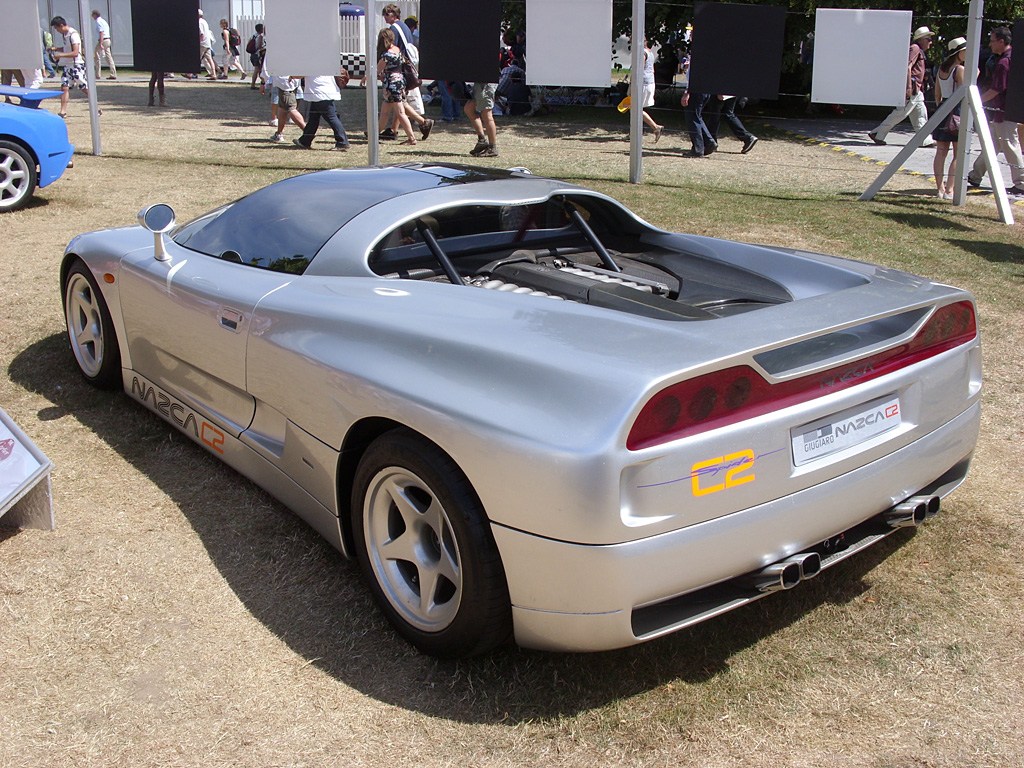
{"type": "Point", "coordinates": [735, 394]}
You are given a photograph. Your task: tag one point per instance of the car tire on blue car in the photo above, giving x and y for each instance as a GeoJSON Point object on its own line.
{"type": "Point", "coordinates": [425, 546]}
{"type": "Point", "coordinates": [90, 329]}
{"type": "Point", "coordinates": [17, 176]}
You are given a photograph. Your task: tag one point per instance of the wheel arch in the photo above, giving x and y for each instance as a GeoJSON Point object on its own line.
{"type": "Point", "coordinates": [23, 144]}
{"type": "Point", "coordinates": [359, 437]}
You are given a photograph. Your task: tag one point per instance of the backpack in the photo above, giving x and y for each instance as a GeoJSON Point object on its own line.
{"type": "Point", "coordinates": [234, 39]}
{"type": "Point", "coordinates": [250, 47]}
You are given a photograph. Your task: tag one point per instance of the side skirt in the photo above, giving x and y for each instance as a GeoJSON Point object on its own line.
{"type": "Point", "coordinates": [237, 455]}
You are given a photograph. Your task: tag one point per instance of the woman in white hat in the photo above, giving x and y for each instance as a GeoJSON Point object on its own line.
{"type": "Point", "coordinates": [948, 81]}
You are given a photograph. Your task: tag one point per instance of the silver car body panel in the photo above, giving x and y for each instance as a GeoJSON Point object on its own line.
{"type": "Point", "coordinates": [534, 398]}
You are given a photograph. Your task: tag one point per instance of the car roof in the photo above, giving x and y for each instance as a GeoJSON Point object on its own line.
{"type": "Point", "coordinates": [331, 198]}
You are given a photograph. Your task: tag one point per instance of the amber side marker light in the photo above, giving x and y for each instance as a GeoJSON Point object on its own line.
{"type": "Point", "coordinates": [735, 394]}
{"type": "Point", "coordinates": [108, 278]}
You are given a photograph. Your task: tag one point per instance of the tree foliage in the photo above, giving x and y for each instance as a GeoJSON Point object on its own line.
{"type": "Point", "coordinates": [665, 21]}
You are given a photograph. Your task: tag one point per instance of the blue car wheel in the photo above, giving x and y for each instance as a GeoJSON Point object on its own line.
{"type": "Point", "coordinates": [17, 176]}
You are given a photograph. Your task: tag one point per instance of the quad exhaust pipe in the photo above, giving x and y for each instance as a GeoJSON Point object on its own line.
{"type": "Point", "coordinates": [787, 573]}
{"type": "Point", "coordinates": [784, 574]}
{"type": "Point", "coordinates": [912, 512]}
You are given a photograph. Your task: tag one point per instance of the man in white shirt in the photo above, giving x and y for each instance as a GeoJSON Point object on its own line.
{"type": "Point", "coordinates": [205, 43]}
{"type": "Point", "coordinates": [103, 46]}
{"type": "Point", "coordinates": [70, 57]}
{"type": "Point", "coordinates": [321, 93]}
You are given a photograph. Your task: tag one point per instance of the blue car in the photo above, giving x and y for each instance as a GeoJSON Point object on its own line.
{"type": "Point", "coordinates": [34, 147]}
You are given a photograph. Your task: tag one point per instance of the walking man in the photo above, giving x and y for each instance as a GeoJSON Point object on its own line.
{"type": "Point", "coordinates": [1004, 132]}
{"type": "Point", "coordinates": [914, 107]}
{"type": "Point", "coordinates": [103, 46]}
{"type": "Point", "coordinates": [70, 57]}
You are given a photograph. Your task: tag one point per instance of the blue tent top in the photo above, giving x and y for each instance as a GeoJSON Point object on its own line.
{"type": "Point", "coordinates": [347, 10]}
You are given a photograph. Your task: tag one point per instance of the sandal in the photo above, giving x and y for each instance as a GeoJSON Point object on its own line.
{"type": "Point", "coordinates": [408, 143]}
{"type": "Point", "coordinates": [62, 115]}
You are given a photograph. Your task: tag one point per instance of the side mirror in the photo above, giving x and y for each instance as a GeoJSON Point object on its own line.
{"type": "Point", "coordinates": [158, 219]}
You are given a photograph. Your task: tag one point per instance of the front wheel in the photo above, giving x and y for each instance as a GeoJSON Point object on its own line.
{"type": "Point", "coordinates": [425, 547]}
{"type": "Point", "coordinates": [90, 329]}
{"type": "Point", "coordinates": [17, 176]}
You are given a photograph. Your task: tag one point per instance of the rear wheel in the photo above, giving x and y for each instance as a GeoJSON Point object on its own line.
{"type": "Point", "coordinates": [17, 176]}
{"type": "Point", "coordinates": [425, 546]}
{"type": "Point", "coordinates": [90, 329]}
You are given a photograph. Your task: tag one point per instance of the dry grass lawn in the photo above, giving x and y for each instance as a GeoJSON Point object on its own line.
{"type": "Point", "coordinates": [178, 616]}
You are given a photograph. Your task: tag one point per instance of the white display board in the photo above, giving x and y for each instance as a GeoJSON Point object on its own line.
{"type": "Point", "coordinates": [21, 39]}
{"type": "Point", "coordinates": [24, 480]}
{"type": "Point", "coordinates": [860, 57]}
{"type": "Point", "coordinates": [303, 37]}
{"type": "Point", "coordinates": [569, 42]}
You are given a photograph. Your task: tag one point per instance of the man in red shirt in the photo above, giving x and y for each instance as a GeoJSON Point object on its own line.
{"type": "Point", "coordinates": [914, 108]}
{"type": "Point", "coordinates": [1004, 132]}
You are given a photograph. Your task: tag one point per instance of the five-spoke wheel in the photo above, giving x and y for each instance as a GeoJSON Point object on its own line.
{"type": "Point", "coordinates": [17, 176]}
{"type": "Point", "coordinates": [90, 329]}
{"type": "Point", "coordinates": [425, 545]}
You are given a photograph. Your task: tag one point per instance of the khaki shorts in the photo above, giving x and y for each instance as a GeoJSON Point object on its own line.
{"type": "Point", "coordinates": [483, 95]}
{"type": "Point", "coordinates": [286, 100]}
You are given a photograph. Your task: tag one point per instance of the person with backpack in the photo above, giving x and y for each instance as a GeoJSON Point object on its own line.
{"type": "Point", "coordinates": [257, 50]}
{"type": "Point", "coordinates": [229, 60]}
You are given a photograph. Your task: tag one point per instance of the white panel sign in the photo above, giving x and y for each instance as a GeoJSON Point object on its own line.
{"type": "Point", "coordinates": [303, 37]}
{"type": "Point", "coordinates": [21, 39]}
{"type": "Point", "coordinates": [860, 57]}
{"type": "Point", "coordinates": [569, 42]}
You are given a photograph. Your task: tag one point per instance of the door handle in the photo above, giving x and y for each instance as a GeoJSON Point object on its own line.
{"type": "Point", "coordinates": [230, 319]}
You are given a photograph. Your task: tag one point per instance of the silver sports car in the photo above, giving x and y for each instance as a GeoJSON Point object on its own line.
{"type": "Point", "coordinates": [527, 412]}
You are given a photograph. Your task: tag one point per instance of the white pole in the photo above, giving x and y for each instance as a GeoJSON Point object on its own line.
{"type": "Point", "coordinates": [636, 89]}
{"type": "Point", "coordinates": [85, 14]}
{"type": "Point", "coordinates": [373, 142]}
{"type": "Point", "coordinates": [963, 145]}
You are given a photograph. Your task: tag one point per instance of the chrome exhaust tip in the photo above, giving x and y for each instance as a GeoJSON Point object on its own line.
{"type": "Point", "coordinates": [808, 562]}
{"type": "Point", "coordinates": [774, 577]}
{"type": "Point", "coordinates": [931, 503]}
{"type": "Point", "coordinates": [907, 514]}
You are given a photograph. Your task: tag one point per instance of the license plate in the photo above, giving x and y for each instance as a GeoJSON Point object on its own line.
{"type": "Point", "coordinates": [844, 430]}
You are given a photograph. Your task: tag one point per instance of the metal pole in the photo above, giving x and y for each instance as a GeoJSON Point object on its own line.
{"type": "Point", "coordinates": [85, 14]}
{"type": "Point", "coordinates": [372, 128]}
{"type": "Point", "coordinates": [963, 145]}
{"type": "Point", "coordinates": [636, 81]}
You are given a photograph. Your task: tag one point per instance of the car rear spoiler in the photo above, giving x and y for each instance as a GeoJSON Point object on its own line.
{"type": "Point", "coordinates": [28, 97]}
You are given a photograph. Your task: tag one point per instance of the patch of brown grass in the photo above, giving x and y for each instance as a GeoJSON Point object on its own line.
{"type": "Point", "coordinates": [180, 617]}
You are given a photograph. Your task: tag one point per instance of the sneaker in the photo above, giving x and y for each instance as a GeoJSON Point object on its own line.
{"type": "Point", "coordinates": [973, 182]}
{"type": "Point", "coordinates": [481, 145]}
{"type": "Point", "coordinates": [244, 76]}
{"type": "Point", "coordinates": [489, 151]}
{"type": "Point", "coordinates": [425, 129]}
{"type": "Point", "coordinates": [277, 138]}
{"type": "Point", "coordinates": [874, 137]}
{"type": "Point", "coordinates": [111, 77]}
{"type": "Point", "coordinates": [1015, 192]}
{"type": "Point", "coordinates": [387, 135]}
{"type": "Point", "coordinates": [298, 143]}
{"type": "Point", "coordinates": [748, 144]}
{"type": "Point", "coordinates": [710, 149]}
{"type": "Point", "coordinates": [339, 148]}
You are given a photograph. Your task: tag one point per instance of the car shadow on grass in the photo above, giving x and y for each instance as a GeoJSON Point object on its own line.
{"type": "Point", "coordinates": [314, 600]}
{"type": "Point", "coordinates": [996, 253]}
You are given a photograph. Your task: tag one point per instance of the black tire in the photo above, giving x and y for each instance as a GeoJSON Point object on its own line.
{"type": "Point", "coordinates": [18, 177]}
{"type": "Point", "coordinates": [90, 329]}
{"type": "Point", "coordinates": [416, 519]}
